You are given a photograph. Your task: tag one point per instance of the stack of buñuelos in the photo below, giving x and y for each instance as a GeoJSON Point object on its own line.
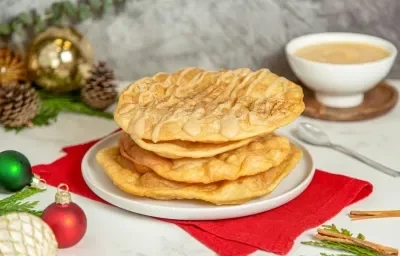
{"type": "Point", "coordinates": [204, 135]}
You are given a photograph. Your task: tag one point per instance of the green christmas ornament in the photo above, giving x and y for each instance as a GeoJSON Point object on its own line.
{"type": "Point", "coordinates": [15, 171]}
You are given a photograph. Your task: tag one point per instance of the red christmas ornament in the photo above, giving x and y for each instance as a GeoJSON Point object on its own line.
{"type": "Point", "coordinates": [65, 218]}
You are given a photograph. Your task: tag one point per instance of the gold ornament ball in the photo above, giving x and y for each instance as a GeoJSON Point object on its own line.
{"type": "Point", "coordinates": [59, 59]}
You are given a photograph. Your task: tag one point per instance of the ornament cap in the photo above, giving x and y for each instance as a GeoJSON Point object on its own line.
{"type": "Point", "coordinates": [63, 196]}
{"type": "Point", "coordinates": [38, 182]}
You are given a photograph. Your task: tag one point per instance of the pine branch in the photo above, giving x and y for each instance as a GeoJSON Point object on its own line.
{"type": "Point", "coordinates": [18, 207]}
{"type": "Point", "coordinates": [342, 231]}
{"type": "Point", "coordinates": [21, 195]}
{"type": "Point", "coordinates": [361, 236]}
{"type": "Point", "coordinates": [13, 203]}
{"type": "Point", "coordinates": [70, 102]}
{"type": "Point", "coordinates": [325, 254]}
{"type": "Point", "coordinates": [79, 107]}
{"type": "Point", "coordinates": [56, 13]}
{"type": "Point", "coordinates": [54, 104]}
{"type": "Point", "coordinates": [354, 249]}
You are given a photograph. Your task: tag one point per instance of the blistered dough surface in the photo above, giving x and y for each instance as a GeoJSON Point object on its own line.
{"type": "Point", "coordinates": [258, 156]}
{"type": "Point", "coordinates": [208, 106]}
{"type": "Point", "coordinates": [124, 175]}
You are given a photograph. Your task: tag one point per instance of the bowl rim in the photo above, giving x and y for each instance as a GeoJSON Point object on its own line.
{"type": "Point", "coordinates": [393, 49]}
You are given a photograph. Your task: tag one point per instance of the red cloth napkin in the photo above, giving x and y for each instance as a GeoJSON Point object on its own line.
{"type": "Point", "coordinates": [273, 231]}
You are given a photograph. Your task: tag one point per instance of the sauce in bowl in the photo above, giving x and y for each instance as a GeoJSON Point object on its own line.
{"type": "Point", "coordinates": [342, 53]}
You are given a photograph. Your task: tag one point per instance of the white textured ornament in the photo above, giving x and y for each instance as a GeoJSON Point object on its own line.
{"type": "Point", "coordinates": [24, 234]}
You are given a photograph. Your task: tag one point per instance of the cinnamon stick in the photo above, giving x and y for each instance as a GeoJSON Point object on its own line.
{"type": "Point", "coordinates": [337, 237]}
{"type": "Point", "coordinates": [361, 215]}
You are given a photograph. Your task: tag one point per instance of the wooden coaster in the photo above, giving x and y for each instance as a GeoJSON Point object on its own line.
{"type": "Point", "coordinates": [377, 101]}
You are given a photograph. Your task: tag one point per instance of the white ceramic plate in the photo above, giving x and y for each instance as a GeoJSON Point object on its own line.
{"type": "Point", "coordinates": [292, 186]}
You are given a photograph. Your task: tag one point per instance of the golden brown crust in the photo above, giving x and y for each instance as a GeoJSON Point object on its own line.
{"type": "Point", "coordinates": [122, 172]}
{"type": "Point", "coordinates": [208, 106]}
{"type": "Point", "coordinates": [179, 149]}
{"type": "Point", "coordinates": [259, 155]}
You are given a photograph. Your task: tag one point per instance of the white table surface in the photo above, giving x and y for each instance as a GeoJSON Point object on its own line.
{"type": "Point", "coordinates": [115, 232]}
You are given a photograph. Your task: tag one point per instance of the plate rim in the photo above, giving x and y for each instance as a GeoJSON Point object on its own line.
{"type": "Point", "coordinates": [291, 194]}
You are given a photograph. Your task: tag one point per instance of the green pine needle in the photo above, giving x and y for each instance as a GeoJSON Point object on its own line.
{"type": "Point", "coordinates": [21, 195]}
{"type": "Point", "coordinates": [79, 107]}
{"type": "Point", "coordinates": [361, 236]}
{"type": "Point", "coordinates": [19, 207]}
{"type": "Point", "coordinates": [333, 228]}
{"type": "Point", "coordinates": [14, 202]}
{"type": "Point", "coordinates": [354, 249]}
{"type": "Point", "coordinates": [325, 254]}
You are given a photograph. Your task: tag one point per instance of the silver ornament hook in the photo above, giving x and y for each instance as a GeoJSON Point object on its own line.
{"type": "Point", "coordinates": [38, 182]}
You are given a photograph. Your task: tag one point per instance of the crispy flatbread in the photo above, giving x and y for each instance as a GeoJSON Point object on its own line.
{"type": "Point", "coordinates": [259, 155]}
{"type": "Point", "coordinates": [179, 149]}
{"type": "Point", "coordinates": [124, 175]}
{"type": "Point", "coordinates": [193, 104]}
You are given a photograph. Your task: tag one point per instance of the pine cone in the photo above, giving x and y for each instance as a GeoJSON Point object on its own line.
{"type": "Point", "coordinates": [18, 105]}
{"type": "Point", "coordinates": [12, 67]}
{"type": "Point", "coordinates": [99, 91]}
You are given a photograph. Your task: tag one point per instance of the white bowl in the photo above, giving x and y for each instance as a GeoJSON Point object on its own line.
{"type": "Point", "coordinates": [339, 85]}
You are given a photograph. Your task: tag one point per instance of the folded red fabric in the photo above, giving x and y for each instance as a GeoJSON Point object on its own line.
{"type": "Point", "coordinates": [273, 231]}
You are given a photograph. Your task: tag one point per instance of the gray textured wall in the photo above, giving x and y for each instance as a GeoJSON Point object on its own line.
{"type": "Point", "coordinates": [164, 35]}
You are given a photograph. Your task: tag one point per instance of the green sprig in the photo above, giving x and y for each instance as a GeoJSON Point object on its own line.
{"type": "Point", "coordinates": [325, 254]}
{"type": "Point", "coordinates": [14, 202]}
{"type": "Point", "coordinates": [333, 228]}
{"type": "Point", "coordinates": [56, 14]}
{"type": "Point", "coordinates": [354, 249]}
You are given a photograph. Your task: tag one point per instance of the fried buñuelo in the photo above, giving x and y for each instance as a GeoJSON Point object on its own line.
{"type": "Point", "coordinates": [259, 155]}
{"type": "Point", "coordinates": [179, 149]}
{"type": "Point", "coordinates": [124, 175]}
{"type": "Point", "coordinates": [208, 106]}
